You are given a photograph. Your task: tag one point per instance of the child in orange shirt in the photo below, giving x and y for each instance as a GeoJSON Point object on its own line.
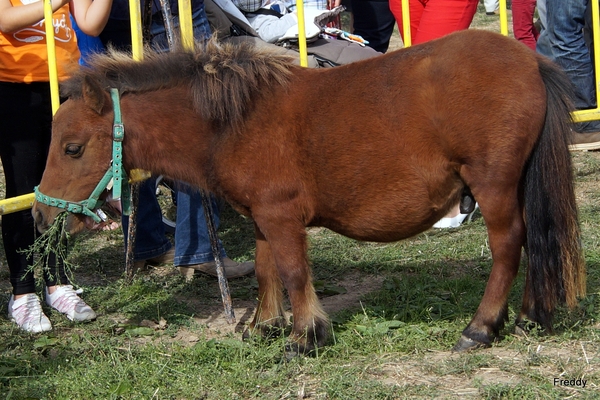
{"type": "Point", "coordinates": [25, 127]}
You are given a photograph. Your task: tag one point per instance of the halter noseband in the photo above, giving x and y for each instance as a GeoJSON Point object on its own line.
{"type": "Point", "coordinates": [115, 177]}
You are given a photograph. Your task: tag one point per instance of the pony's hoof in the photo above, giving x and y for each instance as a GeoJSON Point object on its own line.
{"type": "Point", "coordinates": [466, 344]}
{"type": "Point", "coordinates": [525, 327]}
{"type": "Point", "coordinates": [290, 352]}
{"type": "Point", "coordinates": [246, 335]}
{"type": "Point", "coordinates": [521, 331]}
{"type": "Point", "coordinates": [264, 332]}
{"type": "Point", "coordinates": [295, 349]}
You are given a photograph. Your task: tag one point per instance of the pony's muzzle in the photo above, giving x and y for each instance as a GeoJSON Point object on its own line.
{"type": "Point", "coordinates": [38, 219]}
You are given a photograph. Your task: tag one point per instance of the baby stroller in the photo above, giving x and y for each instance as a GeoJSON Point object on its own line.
{"type": "Point", "coordinates": [228, 23]}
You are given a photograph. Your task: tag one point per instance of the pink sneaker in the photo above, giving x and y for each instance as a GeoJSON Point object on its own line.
{"type": "Point", "coordinates": [65, 300]}
{"type": "Point", "coordinates": [27, 313]}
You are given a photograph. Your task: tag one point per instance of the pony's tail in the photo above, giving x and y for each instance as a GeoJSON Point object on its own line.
{"type": "Point", "coordinates": [556, 273]}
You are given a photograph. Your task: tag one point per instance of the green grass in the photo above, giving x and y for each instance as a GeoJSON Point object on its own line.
{"type": "Point", "coordinates": [391, 342]}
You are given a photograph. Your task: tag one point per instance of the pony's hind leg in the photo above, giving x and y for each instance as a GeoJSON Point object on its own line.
{"type": "Point", "coordinates": [506, 230]}
{"type": "Point", "coordinates": [526, 320]}
{"type": "Point", "coordinates": [287, 241]}
{"type": "Point", "coordinates": [269, 318]}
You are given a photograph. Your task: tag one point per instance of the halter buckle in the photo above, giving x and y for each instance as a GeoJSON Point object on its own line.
{"type": "Point", "coordinates": [118, 132]}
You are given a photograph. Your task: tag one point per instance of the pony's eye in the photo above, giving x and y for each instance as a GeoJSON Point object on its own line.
{"type": "Point", "coordinates": [73, 150]}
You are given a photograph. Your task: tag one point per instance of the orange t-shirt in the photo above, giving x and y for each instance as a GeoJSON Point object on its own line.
{"type": "Point", "coordinates": [23, 53]}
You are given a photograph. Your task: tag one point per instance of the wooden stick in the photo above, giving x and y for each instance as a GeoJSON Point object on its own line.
{"type": "Point", "coordinates": [131, 232]}
{"type": "Point", "coordinates": [214, 245]}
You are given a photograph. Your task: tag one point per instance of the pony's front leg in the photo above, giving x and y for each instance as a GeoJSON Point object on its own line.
{"type": "Point", "coordinates": [269, 318]}
{"type": "Point", "coordinates": [287, 240]}
{"type": "Point", "coordinates": [506, 231]}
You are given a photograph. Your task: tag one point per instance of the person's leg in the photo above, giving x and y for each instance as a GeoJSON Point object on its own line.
{"type": "Point", "coordinates": [523, 28]}
{"type": "Point", "coordinates": [562, 41]}
{"type": "Point", "coordinates": [150, 240]}
{"type": "Point", "coordinates": [193, 250]}
{"type": "Point", "coordinates": [541, 8]}
{"type": "Point", "coordinates": [199, 22]}
{"type": "Point", "coordinates": [192, 241]}
{"type": "Point", "coordinates": [415, 10]}
{"type": "Point", "coordinates": [491, 6]}
{"type": "Point", "coordinates": [588, 32]}
{"type": "Point", "coordinates": [26, 115]}
{"type": "Point", "coordinates": [374, 21]}
{"type": "Point", "coordinates": [441, 17]}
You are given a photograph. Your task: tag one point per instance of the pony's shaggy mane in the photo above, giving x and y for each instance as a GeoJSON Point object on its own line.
{"type": "Point", "coordinates": [222, 78]}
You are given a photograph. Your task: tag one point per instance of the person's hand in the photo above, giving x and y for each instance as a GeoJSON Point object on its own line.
{"type": "Point", "coordinates": [333, 3]}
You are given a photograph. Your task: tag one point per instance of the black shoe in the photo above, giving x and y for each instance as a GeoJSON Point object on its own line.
{"type": "Point", "coordinates": [467, 202]}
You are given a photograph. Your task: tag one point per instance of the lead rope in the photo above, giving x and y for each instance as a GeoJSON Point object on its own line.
{"type": "Point", "coordinates": [128, 195]}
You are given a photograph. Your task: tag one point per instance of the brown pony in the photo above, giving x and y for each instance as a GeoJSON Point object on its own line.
{"type": "Point", "coordinates": [382, 160]}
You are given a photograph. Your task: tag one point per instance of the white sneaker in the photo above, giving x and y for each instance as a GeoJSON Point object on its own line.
{"type": "Point", "coordinates": [65, 300]}
{"type": "Point", "coordinates": [27, 313]}
{"type": "Point", "coordinates": [455, 222]}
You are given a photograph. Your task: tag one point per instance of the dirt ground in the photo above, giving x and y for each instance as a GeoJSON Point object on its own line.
{"type": "Point", "coordinates": [213, 318]}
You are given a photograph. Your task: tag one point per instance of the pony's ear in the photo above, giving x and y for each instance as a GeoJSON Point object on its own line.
{"type": "Point", "coordinates": [93, 95]}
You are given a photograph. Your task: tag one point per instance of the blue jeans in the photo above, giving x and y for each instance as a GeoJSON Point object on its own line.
{"type": "Point", "coordinates": [192, 242]}
{"type": "Point", "coordinates": [562, 41]}
{"type": "Point", "coordinates": [199, 22]}
{"type": "Point", "coordinates": [150, 238]}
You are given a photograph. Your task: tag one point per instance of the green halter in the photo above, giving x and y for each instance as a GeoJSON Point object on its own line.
{"type": "Point", "coordinates": [115, 175]}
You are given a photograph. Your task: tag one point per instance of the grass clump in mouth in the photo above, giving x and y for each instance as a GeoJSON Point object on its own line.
{"type": "Point", "coordinates": [53, 242]}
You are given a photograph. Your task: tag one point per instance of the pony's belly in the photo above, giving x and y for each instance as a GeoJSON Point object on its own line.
{"type": "Point", "coordinates": [371, 231]}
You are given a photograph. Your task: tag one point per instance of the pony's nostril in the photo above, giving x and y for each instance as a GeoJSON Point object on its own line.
{"type": "Point", "coordinates": [38, 219]}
